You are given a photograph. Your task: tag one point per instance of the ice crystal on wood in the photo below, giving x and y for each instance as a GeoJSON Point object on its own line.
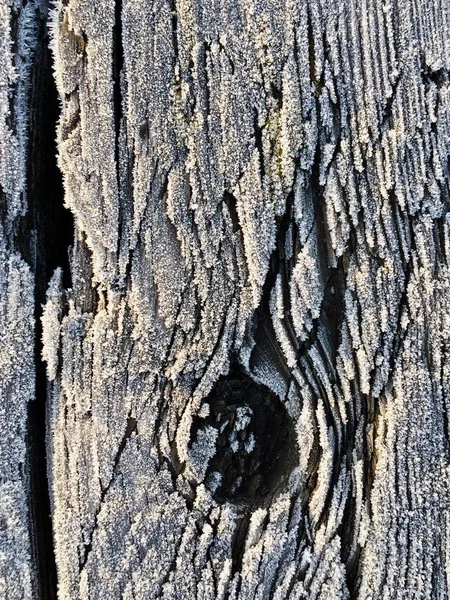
{"type": "Point", "coordinates": [263, 184]}
{"type": "Point", "coordinates": [17, 369]}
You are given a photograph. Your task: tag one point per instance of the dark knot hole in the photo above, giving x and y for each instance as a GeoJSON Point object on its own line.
{"type": "Point", "coordinates": [255, 446]}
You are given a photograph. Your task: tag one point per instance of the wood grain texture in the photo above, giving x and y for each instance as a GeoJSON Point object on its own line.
{"type": "Point", "coordinates": [261, 186]}
{"type": "Point", "coordinates": [261, 200]}
{"type": "Point", "coordinates": [17, 368]}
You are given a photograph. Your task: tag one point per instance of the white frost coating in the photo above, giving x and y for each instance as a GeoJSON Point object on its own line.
{"type": "Point", "coordinates": [287, 158]}
{"type": "Point", "coordinates": [16, 391]}
{"type": "Point", "coordinates": [200, 453]}
{"type": "Point", "coordinates": [17, 41]}
{"type": "Point", "coordinates": [306, 426]}
{"type": "Point", "coordinates": [306, 288]}
{"type": "Point", "coordinates": [16, 574]}
{"type": "Point", "coordinates": [14, 84]}
{"type": "Point", "coordinates": [51, 322]}
{"type": "Point", "coordinates": [83, 73]}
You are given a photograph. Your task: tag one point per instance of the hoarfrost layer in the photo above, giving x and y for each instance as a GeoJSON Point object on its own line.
{"type": "Point", "coordinates": [268, 184]}
{"type": "Point", "coordinates": [17, 39]}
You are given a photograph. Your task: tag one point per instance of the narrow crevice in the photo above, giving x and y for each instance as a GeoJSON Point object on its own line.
{"type": "Point", "coordinates": [259, 142]}
{"type": "Point", "coordinates": [230, 202]}
{"type": "Point", "coordinates": [122, 171]}
{"type": "Point", "coordinates": [117, 70]}
{"type": "Point", "coordinates": [85, 295]}
{"type": "Point", "coordinates": [206, 86]}
{"type": "Point", "coordinates": [130, 428]}
{"type": "Point", "coordinates": [238, 543]}
{"type": "Point", "coordinates": [44, 236]}
{"type": "Point", "coordinates": [174, 23]}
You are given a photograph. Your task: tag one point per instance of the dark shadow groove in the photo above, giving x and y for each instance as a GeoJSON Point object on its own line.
{"type": "Point", "coordinates": [44, 237]}
{"type": "Point", "coordinates": [118, 55]}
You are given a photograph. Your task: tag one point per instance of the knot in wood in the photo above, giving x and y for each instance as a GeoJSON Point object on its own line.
{"type": "Point", "coordinates": [255, 444]}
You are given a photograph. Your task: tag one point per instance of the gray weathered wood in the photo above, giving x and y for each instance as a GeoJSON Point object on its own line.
{"type": "Point", "coordinates": [259, 188]}
{"type": "Point", "coordinates": [17, 368]}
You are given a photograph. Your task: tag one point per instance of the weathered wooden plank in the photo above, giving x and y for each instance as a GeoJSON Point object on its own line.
{"type": "Point", "coordinates": [17, 369]}
{"type": "Point", "coordinates": [249, 372]}
{"type": "Point", "coordinates": [263, 188]}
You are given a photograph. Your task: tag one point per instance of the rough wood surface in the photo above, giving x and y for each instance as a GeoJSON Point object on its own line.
{"type": "Point", "coordinates": [17, 368]}
{"type": "Point", "coordinates": [249, 377]}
